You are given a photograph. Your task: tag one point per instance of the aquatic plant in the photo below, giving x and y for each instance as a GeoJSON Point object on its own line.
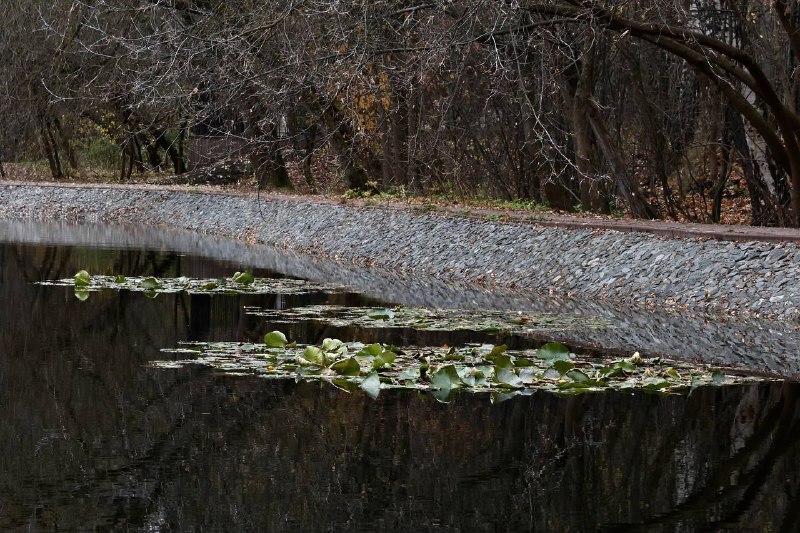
{"type": "Point", "coordinates": [239, 283]}
{"type": "Point", "coordinates": [443, 371]}
{"type": "Point", "coordinates": [430, 319]}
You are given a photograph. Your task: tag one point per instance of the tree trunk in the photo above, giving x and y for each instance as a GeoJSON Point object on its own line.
{"type": "Point", "coordinates": [178, 162]}
{"type": "Point", "coordinates": [50, 149]}
{"type": "Point", "coordinates": [626, 184]}
{"type": "Point", "coordinates": [341, 138]}
{"type": "Point", "coordinates": [269, 164]}
{"type": "Point", "coordinates": [400, 118]}
{"type": "Point", "coordinates": [385, 128]}
{"type": "Point", "coordinates": [763, 206]}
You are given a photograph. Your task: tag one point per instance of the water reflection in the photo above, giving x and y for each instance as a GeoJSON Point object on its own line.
{"type": "Point", "coordinates": [91, 438]}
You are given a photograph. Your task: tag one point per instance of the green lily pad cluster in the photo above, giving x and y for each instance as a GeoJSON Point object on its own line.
{"type": "Point", "coordinates": [239, 283]}
{"type": "Point", "coordinates": [445, 371]}
{"type": "Point", "coordinates": [431, 319]}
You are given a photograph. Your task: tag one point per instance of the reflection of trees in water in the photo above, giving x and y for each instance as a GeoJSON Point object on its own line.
{"type": "Point", "coordinates": [88, 436]}
{"type": "Point", "coordinates": [542, 462]}
{"type": "Point", "coordinates": [77, 399]}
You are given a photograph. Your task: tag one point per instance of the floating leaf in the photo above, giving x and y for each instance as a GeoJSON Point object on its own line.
{"type": "Point", "coordinates": [371, 349]}
{"type": "Point", "coordinates": [654, 383]}
{"type": "Point", "coordinates": [529, 375]}
{"type": "Point", "coordinates": [618, 368]}
{"type": "Point", "coordinates": [333, 345]}
{"type": "Point", "coordinates": [82, 279]}
{"type": "Point", "coordinates": [313, 355]}
{"type": "Point", "coordinates": [582, 384]}
{"type": "Point", "coordinates": [409, 374]}
{"type": "Point", "coordinates": [472, 376]}
{"type": "Point", "coordinates": [433, 319]}
{"type": "Point", "coordinates": [149, 283]}
{"type": "Point", "coordinates": [553, 351]}
{"type": "Point", "coordinates": [506, 376]}
{"type": "Point", "coordinates": [577, 375]}
{"type": "Point", "coordinates": [497, 350]}
{"type": "Point", "coordinates": [380, 314]}
{"type": "Point", "coordinates": [502, 361]}
{"type": "Point", "coordinates": [371, 385]}
{"type": "Point", "coordinates": [454, 355]}
{"type": "Point", "coordinates": [409, 368]}
{"type": "Point", "coordinates": [197, 286]}
{"type": "Point", "coordinates": [445, 377]}
{"type": "Point", "coordinates": [347, 367]}
{"type": "Point", "coordinates": [562, 367]}
{"type": "Point", "coordinates": [386, 358]}
{"type": "Point", "coordinates": [275, 339]}
{"type": "Point", "coordinates": [243, 278]}
{"type": "Point", "coordinates": [552, 373]}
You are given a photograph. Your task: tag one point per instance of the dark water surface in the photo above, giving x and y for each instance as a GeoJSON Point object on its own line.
{"type": "Point", "coordinates": [91, 438]}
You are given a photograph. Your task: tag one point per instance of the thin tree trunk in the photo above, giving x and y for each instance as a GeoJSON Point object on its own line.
{"type": "Point", "coordinates": [626, 184]}
{"type": "Point", "coordinates": [50, 149]}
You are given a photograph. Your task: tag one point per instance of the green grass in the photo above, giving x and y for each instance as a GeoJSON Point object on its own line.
{"type": "Point", "coordinates": [518, 205]}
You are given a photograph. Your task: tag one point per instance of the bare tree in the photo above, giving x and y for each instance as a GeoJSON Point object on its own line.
{"type": "Point", "coordinates": [656, 107]}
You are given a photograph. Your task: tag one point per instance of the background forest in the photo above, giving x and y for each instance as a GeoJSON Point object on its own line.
{"type": "Point", "coordinates": [673, 109]}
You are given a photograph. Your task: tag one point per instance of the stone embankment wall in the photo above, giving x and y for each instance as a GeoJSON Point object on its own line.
{"type": "Point", "coordinates": [713, 276]}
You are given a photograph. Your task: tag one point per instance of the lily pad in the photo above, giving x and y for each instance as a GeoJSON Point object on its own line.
{"type": "Point", "coordinates": [491, 322]}
{"type": "Point", "coordinates": [553, 351]}
{"type": "Point", "coordinates": [445, 377]}
{"type": "Point", "coordinates": [348, 367]}
{"type": "Point", "coordinates": [82, 279]}
{"type": "Point", "coordinates": [562, 367]}
{"type": "Point", "coordinates": [371, 385]}
{"type": "Point", "coordinates": [312, 356]}
{"type": "Point", "coordinates": [240, 283]}
{"type": "Point", "coordinates": [376, 366]}
{"type": "Point", "coordinates": [148, 284]}
{"type": "Point", "coordinates": [243, 278]}
{"type": "Point", "coordinates": [275, 339]}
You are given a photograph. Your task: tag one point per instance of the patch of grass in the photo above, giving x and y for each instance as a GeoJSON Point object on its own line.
{"type": "Point", "coordinates": [518, 205]}
{"type": "Point", "coordinates": [100, 153]}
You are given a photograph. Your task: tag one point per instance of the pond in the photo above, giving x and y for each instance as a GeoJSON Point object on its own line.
{"type": "Point", "coordinates": [95, 434]}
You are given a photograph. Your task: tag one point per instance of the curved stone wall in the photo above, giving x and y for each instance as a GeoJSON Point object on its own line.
{"type": "Point", "coordinates": [429, 260]}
